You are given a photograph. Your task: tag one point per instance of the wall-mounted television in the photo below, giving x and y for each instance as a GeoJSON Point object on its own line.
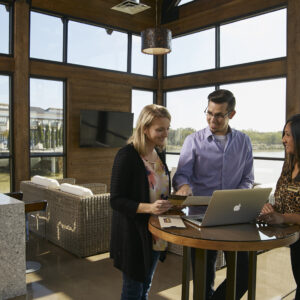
{"type": "Point", "coordinates": [105, 128]}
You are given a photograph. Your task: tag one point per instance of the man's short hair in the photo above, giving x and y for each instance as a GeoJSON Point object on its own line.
{"type": "Point", "coordinates": [223, 96]}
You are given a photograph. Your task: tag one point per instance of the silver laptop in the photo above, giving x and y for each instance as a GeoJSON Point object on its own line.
{"type": "Point", "coordinates": [232, 207]}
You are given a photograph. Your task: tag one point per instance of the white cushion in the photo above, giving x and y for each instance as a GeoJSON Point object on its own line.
{"type": "Point", "coordinates": [75, 189]}
{"type": "Point", "coordinates": [48, 182]}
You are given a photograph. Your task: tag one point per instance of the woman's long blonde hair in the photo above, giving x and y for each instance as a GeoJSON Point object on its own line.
{"type": "Point", "coordinates": [146, 117]}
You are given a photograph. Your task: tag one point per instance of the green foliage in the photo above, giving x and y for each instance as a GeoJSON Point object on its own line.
{"type": "Point", "coordinates": [265, 138]}
{"type": "Point", "coordinates": [53, 135]}
{"type": "Point", "coordinates": [47, 137]}
{"type": "Point", "coordinates": [41, 136]}
{"type": "Point", "coordinates": [176, 137]}
{"type": "Point", "coordinates": [260, 140]}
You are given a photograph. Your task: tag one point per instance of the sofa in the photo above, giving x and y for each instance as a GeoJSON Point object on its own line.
{"type": "Point", "coordinates": [78, 224]}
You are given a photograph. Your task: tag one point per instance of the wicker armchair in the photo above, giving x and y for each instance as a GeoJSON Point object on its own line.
{"type": "Point", "coordinates": [79, 224]}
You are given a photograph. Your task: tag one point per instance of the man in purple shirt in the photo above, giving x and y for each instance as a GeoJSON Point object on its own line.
{"type": "Point", "coordinates": [216, 158]}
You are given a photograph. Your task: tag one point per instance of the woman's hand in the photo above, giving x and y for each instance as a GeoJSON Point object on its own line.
{"type": "Point", "coordinates": [272, 218]}
{"type": "Point", "coordinates": [160, 206]}
{"type": "Point", "coordinates": [267, 208]}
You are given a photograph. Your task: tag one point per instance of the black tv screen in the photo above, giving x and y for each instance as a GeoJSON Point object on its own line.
{"type": "Point", "coordinates": [105, 128]}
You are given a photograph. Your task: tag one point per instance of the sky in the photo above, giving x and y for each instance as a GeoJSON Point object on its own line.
{"type": "Point", "coordinates": [91, 45]}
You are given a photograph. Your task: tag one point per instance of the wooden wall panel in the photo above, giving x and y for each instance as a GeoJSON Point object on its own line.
{"type": "Point", "coordinates": [47, 69]}
{"type": "Point", "coordinates": [100, 12]}
{"type": "Point", "coordinates": [7, 64]}
{"type": "Point", "coordinates": [92, 164]}
{"type": "Point", "coordinates": [293, 59]}
{"type": "Point", "coordinates": [275, 68]}
{"type": "Point", "coordinates": [203, 13]}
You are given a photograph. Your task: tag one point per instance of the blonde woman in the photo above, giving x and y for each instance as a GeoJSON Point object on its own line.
{"type": "Point", "coordinates": [140, 185]}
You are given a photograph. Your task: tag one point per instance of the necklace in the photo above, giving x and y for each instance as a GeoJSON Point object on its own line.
{"type": "Point", "coordinates": [151, 158]}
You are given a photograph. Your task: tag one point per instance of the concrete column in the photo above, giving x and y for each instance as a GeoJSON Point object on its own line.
{"type": "Point", "coordinates": [12, 248]}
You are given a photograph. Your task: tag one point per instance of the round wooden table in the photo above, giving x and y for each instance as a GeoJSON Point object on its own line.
{"type": "Point", "coordinates": [231, 238]}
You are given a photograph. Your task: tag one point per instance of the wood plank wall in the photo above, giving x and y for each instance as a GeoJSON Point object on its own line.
{"type": "Point", "coordinates": [104, 89]}
{"type": "Point", "coordinates": [92, 164]}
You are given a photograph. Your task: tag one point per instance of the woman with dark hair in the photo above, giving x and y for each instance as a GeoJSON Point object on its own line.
{"type": "Point", "coordinates": [287, 195]}
{"type": "Point", "coordinates": [140, 183]}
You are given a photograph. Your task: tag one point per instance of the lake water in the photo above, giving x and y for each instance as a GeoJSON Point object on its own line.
{"type": "Point", "coordinates": [265, 171]}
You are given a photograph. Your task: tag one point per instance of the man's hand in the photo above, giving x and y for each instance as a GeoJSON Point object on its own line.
{"type": "Point", "coordinates": [184, 190]}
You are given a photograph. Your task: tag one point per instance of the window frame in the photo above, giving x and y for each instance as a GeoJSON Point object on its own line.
{"type": "Point", "coordinates": [217, 27]}
{"type": "Point", "coordinates": [10, 154]}
{"type": "Point", "coordinates": [217, 87]}
{"type": "Point", "coordinates": [66, 19]}
{"type": "Point", "coordinates": [63, 154]}
{"type": "Point", "coordinates": [9, 7]}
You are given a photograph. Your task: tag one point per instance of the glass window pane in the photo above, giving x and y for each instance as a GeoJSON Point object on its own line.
{"type": "Point", "coordinates": [47, 166]}
{"type": "Point", "coordinates": [97, 47]}
{"type": "Point", "coordinates": [138, 101]}
{"type": "Point", "coordinates": [46, 116]}
{"type": "Point", "coordinates": [187, 110]}
{"type": "Point", "coordinates": [254, 39]}
{"type": "Point", "coordinates": [4, 115]}
{"type": "Point", "coordinates": [4, 25]}
{"type": "Point", "coordinates": [46, 37]}
{"type": "Point", "coordinates": [260, 112]}
{"type": "Point", "coordinates": [267, 171]}
{"type": "Point", "coordinates": [4, 175]}
{"type": "Point", "coordinates": [172, 160]}
{"type": "Point", "coordinates": [141, 63]}
{"type": "Point", "coordinates": [193, 52]}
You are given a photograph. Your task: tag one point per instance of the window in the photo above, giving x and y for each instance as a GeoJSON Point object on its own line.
{"type": "Point", "coordinates": [193, 52]}
{"type": "Point", "coordinates": [5, 177]}
{"type": "Point", "coordinates": [253, 39]}
{"type": "Point", "coordinates": [46, 127]}
{"type": "Point", "coordinates": [260, 107]}
{"type": "Point", "coordinates": [97, 47]}
{"type": "Point", "coordinates": [141, 63]}
{"type": "Point", "coordinates": [4, 25]}
{"type": "Point", "coordinates": [139, 99]}
{"type": "Point", "coordinates": [261, 114]}
{"type": "Point", "coordinates": [187, 110]}
{"type": "Point", "coordinates": [46, 37]}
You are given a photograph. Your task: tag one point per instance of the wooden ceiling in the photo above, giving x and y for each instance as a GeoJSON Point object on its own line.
{"type": "Point", "coordinates": [100, 12]}
{"type": "Point", "coordinates": [190, 17]}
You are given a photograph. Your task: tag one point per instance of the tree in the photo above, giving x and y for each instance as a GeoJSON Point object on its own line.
{"type": "Point", "coordinates": [47, 137]}
{"type": "Point", "coordinates": [41, 136]}
{"type": "Point", "coordinates": [53, 136]}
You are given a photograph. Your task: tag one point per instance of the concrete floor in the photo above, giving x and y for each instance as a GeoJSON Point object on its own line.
{"type": "Point", "coordinates": [64, 276]}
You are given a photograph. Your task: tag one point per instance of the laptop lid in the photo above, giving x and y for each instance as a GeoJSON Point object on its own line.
{"type": "Point", "coordinates": [232, 207]}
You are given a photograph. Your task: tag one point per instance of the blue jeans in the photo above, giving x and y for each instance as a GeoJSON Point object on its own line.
{"type": "Point", "coordinates": [241, 275]}
{"type": "Point", "coordinates": [135, 290]}
{"type": "Point", "coordinates": [295, 260]}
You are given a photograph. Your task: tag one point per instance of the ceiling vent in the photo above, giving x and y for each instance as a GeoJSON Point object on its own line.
{"type": "Point", "coordinates": [131, 7]}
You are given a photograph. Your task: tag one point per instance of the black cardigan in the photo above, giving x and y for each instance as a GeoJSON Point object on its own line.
{"type": "Point", "coordinates": [131, 241]}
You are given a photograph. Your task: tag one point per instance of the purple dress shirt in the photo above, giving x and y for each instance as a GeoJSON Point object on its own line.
{"type": "Point", "coordinates": [206, 166]}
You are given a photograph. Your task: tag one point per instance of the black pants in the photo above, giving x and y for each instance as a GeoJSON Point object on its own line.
{"type": "Point", "coordinates": [241, 275]}
{"type": "Point", "coordinates": [295, 259]}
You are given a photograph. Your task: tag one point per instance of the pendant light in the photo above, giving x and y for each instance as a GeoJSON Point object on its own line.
{"type": "Point", "coordinates": [156, 41]}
